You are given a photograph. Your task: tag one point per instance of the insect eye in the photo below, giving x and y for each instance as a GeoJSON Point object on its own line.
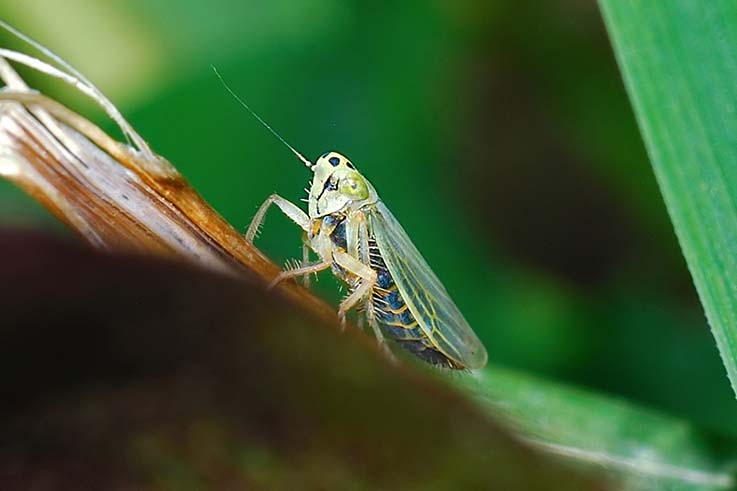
{"type": "Point", "coordinates": [355, 188]}
{"type": "Point", "coordinates": [334, 161]}
{"type": "Point", "coordinates": [349, 165]}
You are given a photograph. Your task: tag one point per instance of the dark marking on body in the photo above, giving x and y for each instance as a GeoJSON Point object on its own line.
{"type": "Point", "coordinates": [329, 185]}
{"type": "Point", "coordinates": [338, 235]}
{"type": "Point", "coordinates": [383, 279]}
{"type": "Point", "coordinates": [428, 354]}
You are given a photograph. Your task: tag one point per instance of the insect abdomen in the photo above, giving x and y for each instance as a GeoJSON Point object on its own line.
{"type": "Point", "coordinates": [395, 318]}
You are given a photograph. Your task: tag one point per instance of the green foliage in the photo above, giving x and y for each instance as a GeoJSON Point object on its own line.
{"type": "Point", "coordinates": [679, 61]}
{"type": "Point", "coordinates": [639, 448]}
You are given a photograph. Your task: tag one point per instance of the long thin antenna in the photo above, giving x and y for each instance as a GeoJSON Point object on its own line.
{"type": "Point", "coordinates": [301, 157]}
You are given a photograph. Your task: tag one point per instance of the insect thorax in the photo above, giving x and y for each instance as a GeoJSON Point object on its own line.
{"type": "Point", "coordinates": [389, 307]}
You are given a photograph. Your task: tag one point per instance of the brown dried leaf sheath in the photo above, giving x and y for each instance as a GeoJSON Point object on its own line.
{"type": "Point", "coordinates": [118, 198]}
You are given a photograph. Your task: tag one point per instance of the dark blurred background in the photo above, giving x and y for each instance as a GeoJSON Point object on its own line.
{"type": "Point", "coordinates": [499, 133]}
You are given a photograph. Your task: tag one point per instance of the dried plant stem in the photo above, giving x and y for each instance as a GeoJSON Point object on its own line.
{"type": "Point", "coordinates": [116, 197]}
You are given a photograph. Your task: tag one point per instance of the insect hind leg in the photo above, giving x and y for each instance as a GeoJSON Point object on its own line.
{"type": "Point", "coordinates": [383, 346]}
{"type": "Point", "coordinates": [362, 293]}
{"type": "Point", "coordinates": [305, 263]}
{"type": "Point", "coordinates": [363, 250]}
{"type": "Point", "coordinates": [301, 271]}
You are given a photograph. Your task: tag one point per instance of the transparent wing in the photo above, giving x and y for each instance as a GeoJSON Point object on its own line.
{"type": "Point", "coordinates": [424, 294]}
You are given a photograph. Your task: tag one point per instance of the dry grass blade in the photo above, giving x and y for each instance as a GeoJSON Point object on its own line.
{"type": "Point", "coordinates": [117, 197]}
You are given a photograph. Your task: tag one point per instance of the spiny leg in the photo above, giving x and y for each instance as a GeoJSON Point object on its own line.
{"type": "Point", "coordinates": [363, 247]}
{"type": "Point", "coordinates": [367, 281]}
{"type": "Point", "coordinates": [305, 263]}
{"type": "Point", "coordinates": [353, 224]}
{"type": "Point", "coordinates": [305, 270]}
{"type": "Point", "coordinates": [380, 339]}
{"type": "Point", "coordinates": [290, 210]}
{"type": "Point", "coordinates": [357, 246]}
{"type": "Point", "coordinates": [352, 300]}
{"type": "Point", "coordinates": [287, 207]}
{"type": "Point", "coordinates": [362, 251]}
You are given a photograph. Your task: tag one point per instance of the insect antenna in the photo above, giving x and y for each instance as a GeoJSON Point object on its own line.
{"type": "Point", "coordinates": [301, 157]}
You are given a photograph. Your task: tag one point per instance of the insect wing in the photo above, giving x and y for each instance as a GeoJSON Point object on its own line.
{"type": "Point", "coordinates": [424, 294]}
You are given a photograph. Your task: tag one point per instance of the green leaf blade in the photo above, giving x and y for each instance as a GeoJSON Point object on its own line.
{"type": "Point", "coordinates": [679, 63]}
{"type": "Point", "coordinates": [637, 448]}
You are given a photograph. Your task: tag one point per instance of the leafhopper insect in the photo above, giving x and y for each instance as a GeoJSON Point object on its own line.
{"type": "Point", "coordinates": [354, 234]}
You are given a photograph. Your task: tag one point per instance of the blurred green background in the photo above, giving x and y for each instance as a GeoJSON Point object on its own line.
{"type": "Point", "coordinates": [499, 133]}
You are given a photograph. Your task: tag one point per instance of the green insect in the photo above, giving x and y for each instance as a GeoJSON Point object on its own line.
{"type": "Point", "coordinates": [353, 233]}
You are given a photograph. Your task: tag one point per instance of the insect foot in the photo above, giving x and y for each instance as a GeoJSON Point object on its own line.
{"type": "Point", "coordinates": [278, 279]}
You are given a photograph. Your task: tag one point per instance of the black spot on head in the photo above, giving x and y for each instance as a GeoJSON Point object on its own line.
{"type": "Point", "coordinates": [324, 155]}
{"type": "Point", "coordinates": [334, 161]}
{"type": "Point", "coordinates": [350, 166]}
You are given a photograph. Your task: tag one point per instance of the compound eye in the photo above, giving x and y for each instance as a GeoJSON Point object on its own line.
{"type": "Point", "coordinates": [355, 188]}
{"type": "Point", "coordinates": [334, 161]}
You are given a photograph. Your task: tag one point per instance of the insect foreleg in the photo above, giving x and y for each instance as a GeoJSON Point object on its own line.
{"type": "Point", "coordinates": [287, 207]}
{"type": "Point", "coordinates": [304, 270]}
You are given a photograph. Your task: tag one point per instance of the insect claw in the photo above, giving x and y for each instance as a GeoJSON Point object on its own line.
{"type": "Point", "coordinates": [275, 281]}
